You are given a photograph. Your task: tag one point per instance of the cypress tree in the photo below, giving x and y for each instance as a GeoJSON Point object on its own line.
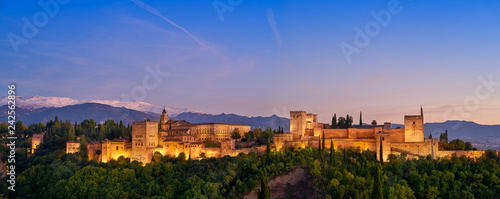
{"type": "Point", "coordinates": [323, 146]}
{"type": "Point", "coordinates": [381, 152]}
{"type": "Point", "coordinates": [319, 147]}
{"type": "Point", "coordinates": [265, 190]}
{"type": "Point", "coordinates": [377, 184]}
{"type": "Point", "coordinates": [334, 121]}
{"type": "Point", "coordinates": [347, 122]}
{"type": "Point", "coordinates": [332, 153]}
{"type": "Point", "coordinates": [360, 119]}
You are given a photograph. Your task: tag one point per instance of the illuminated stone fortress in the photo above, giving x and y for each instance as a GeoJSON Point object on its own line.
{"type": "Point", "coordinates": [305, 131]}
{"type": "Point", "coordinates": [172, 138]}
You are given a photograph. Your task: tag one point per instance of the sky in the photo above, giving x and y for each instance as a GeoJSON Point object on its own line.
{"type": "Point", "coordinates": [259, 58]}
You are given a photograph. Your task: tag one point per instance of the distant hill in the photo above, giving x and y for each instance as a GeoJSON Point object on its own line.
{"type": "Point", "coordinates": [78, 112]}
{"type": "Point", "coordinates": [256, 122]}
{"type": "Point", "coordinates": [463, 129]}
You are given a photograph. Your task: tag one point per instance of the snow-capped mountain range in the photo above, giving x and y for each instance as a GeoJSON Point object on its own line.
{"type": "Point", "coordinates": [36, 102]}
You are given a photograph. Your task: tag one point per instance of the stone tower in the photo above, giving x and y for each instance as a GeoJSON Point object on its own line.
{"type": "Point", "coordinates": [414, 127]}
{"type": "Point", "coordinates": [144, 137]}
{"type": "Point", "coordinates": [302, 123]}
{"type": "Point", "coordinates": [164, 120]}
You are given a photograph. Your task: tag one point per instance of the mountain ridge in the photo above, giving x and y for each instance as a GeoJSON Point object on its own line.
{"type": "Point", "coordinates": [36, 102]}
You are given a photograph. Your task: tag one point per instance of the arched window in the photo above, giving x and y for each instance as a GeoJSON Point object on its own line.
{"type": "Point", "coordinates": [117, 148]}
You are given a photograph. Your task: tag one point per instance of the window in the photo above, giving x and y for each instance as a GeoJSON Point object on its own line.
{"type": "Point", "coordinates": [117, 148]}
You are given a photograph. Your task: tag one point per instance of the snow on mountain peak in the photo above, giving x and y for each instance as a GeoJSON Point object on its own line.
{"type": "Point", "coordinates": [36, 102]}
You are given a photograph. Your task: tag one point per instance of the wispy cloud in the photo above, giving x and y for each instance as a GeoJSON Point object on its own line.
{"type": "Point", "coordinates": [157, 13]}
{"type": "Point", "coordinates": [272, 23]}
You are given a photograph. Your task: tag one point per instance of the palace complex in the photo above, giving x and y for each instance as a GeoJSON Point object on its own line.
{"type": "Point", "coordinates": [172, 138]}
{"type": "Point", "coordinates": [169, 137]}
{"type": "Point", "coordinates": [306, 131]}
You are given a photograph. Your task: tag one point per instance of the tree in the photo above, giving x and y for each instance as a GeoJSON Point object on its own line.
{"type": "Point", "coordinates": [265, 190]}
{"type": "Point", "coordinates": [351, 120]}
{"type": "Point", "coordinates": [430, 136]}
{"type": "Point", "coordinates": [381, 152]}
{"type": "Point", "coordinates": [323, 146]}
{"type": "Point", "coordinates": [268, 149]}
{"type": "Point", "coordinates": [360, 119]}
{"type": "Point", "coordinates": [332, 153]}
{"type": "Point", "coordinates": [319, 147]}
{"type": "Point", "coordinates": [334, 121]}
{"type": "Point", "coordinates": [374, 122]}
{"type": "Point", "coordinates": [377, 184]}
{"type": "Point", "coordinates": [182, 156]}
{"type": "Point", "coordinates": [236, 135]}
{"type": "Point", "coordinates": [347, 122]}
{"type": "Point", "coordinates": [342, 122]}
{"type": "Point", "coordinates": [456, 144]}
{"type": "Point", "coordinates": [83, 148]}
{"type": "Point", "coordinates": [468, 146]}
{"type": "Point", "coordinates": [157, 157]}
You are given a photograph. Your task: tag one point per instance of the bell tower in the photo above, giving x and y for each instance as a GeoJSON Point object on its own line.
{"type": "Point", "coordinates": [164, 119]}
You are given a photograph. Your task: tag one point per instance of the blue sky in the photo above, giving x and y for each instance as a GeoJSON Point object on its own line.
{"type": "Point", "coordinates": [264, 57]}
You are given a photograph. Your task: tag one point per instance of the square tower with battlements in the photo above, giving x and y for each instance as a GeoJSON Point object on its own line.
{"type": "Point", "coordinates": [414, 127]}
{"type": "Point", "coordinates": [302, 123]}
{"type": "Point", "coordinates": [144, 137]}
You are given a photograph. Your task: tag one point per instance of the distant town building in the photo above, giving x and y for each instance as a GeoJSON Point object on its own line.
{"type": "Point", "coordinates": [36, 141]}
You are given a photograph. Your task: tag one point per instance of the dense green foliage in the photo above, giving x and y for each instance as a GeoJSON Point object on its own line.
{"type": "Point", "coordinates": [456, 177]}
{"type": "Point", "coordinates": [455, 144]}
{"type": "Point", "coordinates": [53, 175]}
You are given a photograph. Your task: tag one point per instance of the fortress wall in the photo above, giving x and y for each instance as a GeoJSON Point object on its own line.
{"type": "Point", "coordinates": [117, 149]}
{"type": "Point", "coordinates": [335, 133]}
{"type": "Point", "coordinates": [298, 143]}
{"type": "Point", "coordinates": [364, 133]}
{"type": "Point", "coordinates": [195, 151]}
{"type": "Point", "coordinates": [236, 152]}
{"type": "Point", "coordinates": [281, 139]}
{"type": "Point", "coordinates": [412, 148]}
{"type": "Point", "coordinates": [469, 154]}
{"type": "Point", "coordinates": [397, 135]}
{"type": "Point", "coordinates": [363, 144]}
{"type": "Point", "coordinates": [212, 152]}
